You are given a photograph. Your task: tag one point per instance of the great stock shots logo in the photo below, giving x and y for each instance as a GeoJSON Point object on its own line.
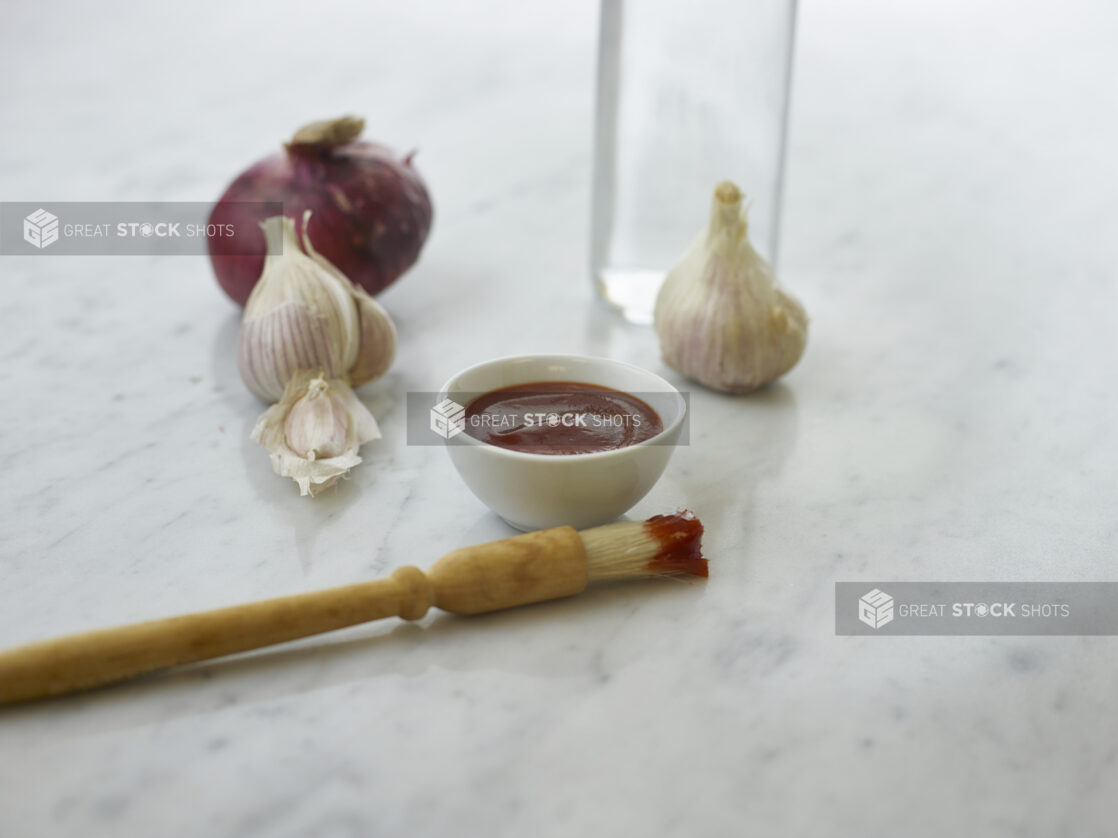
{"type": "Point", "coordinates": [130, 228]}
{"type": "Point", "coordinates": [976, 608]}
{"type": "Point", "coordinates": [40, 228]}
{"type": "Point", "coordinates": [875, 609]}
{"type": "Point", "coordinates": [448, 419]}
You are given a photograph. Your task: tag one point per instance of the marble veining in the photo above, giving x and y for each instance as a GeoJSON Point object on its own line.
{"type": "Point", "coordinates": [949, 209]}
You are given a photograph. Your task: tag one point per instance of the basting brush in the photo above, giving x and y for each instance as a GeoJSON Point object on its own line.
{"type": "Point", "coordinates": [528, 568]}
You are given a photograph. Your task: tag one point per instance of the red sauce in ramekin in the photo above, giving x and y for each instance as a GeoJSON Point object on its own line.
{"type": "Point", "coordinates": [561, 417]}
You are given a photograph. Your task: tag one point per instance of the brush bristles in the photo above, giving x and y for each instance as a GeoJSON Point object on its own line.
{"type": "Point", "coordinates": [619, 551]}
{"type": "Point", "coordinates": [662, 545]}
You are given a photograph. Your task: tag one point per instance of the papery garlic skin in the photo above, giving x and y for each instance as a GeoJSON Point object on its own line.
{"type": "Point", "coordinates": [313, 433]}
{"type": "Point", "coordinates": [376, 332]}
{"type": "Point", "coordinates": [720, 315]}
{"type": "Point", "coordinates": [304, 314]}
{"type": "Point", "coordinates": [298, 317]}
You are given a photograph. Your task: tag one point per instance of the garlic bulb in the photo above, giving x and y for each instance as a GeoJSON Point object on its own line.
{"type": "Point", "coordinates": [720, 316]}
{"type": "Point", "coordinates": [307, 336]}
{"type": "Point", "coordinates": [304, 314]}
{"type": "Point", "coordinates": [313, 433]}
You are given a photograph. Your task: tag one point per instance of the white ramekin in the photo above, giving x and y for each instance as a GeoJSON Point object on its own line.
{"type": "Point", "coordinates": [536, 491]}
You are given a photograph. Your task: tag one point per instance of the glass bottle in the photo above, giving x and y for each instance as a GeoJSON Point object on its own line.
{"type": "Point", "coordinates": [689, 94]}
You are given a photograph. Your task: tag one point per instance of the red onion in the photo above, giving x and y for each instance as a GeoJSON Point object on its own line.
{"type": "Point", "coordinates": [370, 211]}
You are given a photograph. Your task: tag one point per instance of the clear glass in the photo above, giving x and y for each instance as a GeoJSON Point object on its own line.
{"type": "Point", "coordinates": [689, 94]}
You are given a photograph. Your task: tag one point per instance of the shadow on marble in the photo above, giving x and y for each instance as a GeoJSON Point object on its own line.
{"type": "Point", "coordinates": [307, 518]}
{"type": "Point", "coordinates": [498, 642]}
{"type": "Point", "coordinates": [224, 359]}
{"type": "Point", "coordinates": [726, 462]}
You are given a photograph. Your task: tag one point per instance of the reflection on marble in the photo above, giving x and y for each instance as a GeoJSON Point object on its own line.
{"type": "Point", "coordinates": [949, 207]}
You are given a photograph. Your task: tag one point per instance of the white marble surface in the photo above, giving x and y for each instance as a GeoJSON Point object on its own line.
{"type": "Point", "coordinates": [951, 190]}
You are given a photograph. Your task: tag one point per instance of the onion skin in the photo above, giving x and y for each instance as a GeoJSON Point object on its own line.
{"type": "Point", "coordinates": [371, 213]}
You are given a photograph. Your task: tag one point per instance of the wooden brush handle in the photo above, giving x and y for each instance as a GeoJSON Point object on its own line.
{"type": "Point", "coordinates": [527, 568]}
{"type": "Point", "coordinates": [79, 661]}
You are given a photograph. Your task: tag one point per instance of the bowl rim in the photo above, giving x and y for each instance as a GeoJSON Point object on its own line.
{"type": "Point", "coordinates": [527, 456]}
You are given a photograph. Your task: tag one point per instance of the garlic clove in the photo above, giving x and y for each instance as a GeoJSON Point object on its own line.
{"type": "Point", "coordinates": [378, 340]}
{"type": "Point", "coordinates": [377, 333]}
{"type": "Point", "coordinates": [314, 432]}
{"type": "Point", "coordinates": [298, 317]}
{"type": "Point", "coordinates": [316, 426]}
{"type": "Point", "coordinates": [721, 317]}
